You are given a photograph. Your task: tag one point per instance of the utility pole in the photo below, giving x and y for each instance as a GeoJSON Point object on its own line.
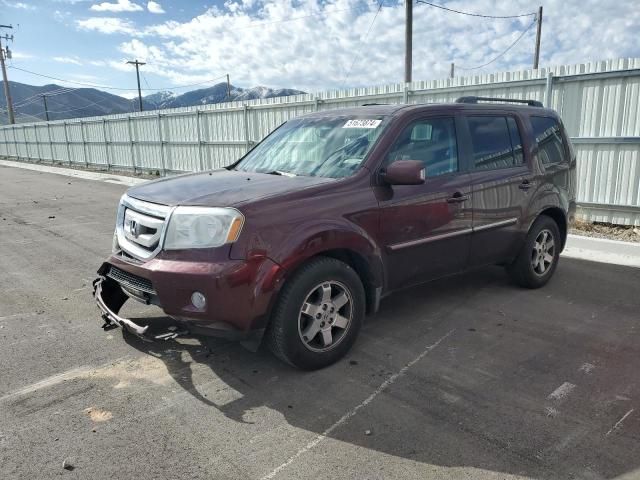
{"type": "Point", "coordinates": [408, 40]}
{"type": "Point", "coordinates": [7, 91]}
{"type": "Point", "coordinates": [228, 87]}
{"type": "Point", "coordinates": [452, 71]}
{"type": "Point", "coordinates": [536, 57]}
{"type": "Point", "coordinates": [138, 64]}
{"type": "Point", "coordinates": [46, 110]}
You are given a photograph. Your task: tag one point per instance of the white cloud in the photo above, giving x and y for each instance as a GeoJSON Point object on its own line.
{"type": "Point", "coordinates": [311, 45]}
{"type": "Point", "coordinates": [19, 5]}
{"type": "Point", "coordinates": [119, 6]}
{"type": "Point", "coordinates": [155, 7]}
{"type": "Point", "coordinates": [21, 55]}
{"type": "Point", "coordinates": [70, 60]}
{"type": "Point", "coordinates": [107, 25]}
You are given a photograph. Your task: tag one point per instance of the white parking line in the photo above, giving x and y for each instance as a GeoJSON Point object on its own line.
{"type": "Point", "coordinates": [318, 439]}
{"type": "Point", "coordinates": [619, 422]}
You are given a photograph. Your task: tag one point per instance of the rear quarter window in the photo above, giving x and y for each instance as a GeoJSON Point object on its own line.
{"type": "Point", "coordinates": [496, 142]}
{"type": "Point", "coordinates": [548, 133]}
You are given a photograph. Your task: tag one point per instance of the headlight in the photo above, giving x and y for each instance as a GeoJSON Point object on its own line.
{"type": "Point", "coordinates": [202, 227]}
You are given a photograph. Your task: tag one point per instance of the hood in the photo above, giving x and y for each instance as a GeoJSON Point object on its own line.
{"type": "Point", "coordinates": [220, 188]}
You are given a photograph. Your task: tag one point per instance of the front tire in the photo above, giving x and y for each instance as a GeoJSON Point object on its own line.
{"type": "Point", "coordinates": [318, 314]}
{"type": "Point", "coordinates": [537, 261]}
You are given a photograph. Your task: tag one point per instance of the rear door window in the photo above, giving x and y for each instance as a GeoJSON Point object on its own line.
{"type": "Point", "coordinates": [496, 142]}
{"type": "Point", "coordinates": [551, 149]}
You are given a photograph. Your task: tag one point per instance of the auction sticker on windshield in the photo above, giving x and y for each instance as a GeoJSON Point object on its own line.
{"type": "Point", "coordinates": [362, 123]}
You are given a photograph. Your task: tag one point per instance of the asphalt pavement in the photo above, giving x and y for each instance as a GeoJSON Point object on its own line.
{"type": "Point", "coordinates": [468, 377]}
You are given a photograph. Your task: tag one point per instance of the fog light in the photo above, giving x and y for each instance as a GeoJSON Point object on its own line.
{"type": "Point", "coordinates": [198, 300]}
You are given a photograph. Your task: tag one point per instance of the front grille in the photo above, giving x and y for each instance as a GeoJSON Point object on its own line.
{"type": "Point", "coordinates": [139, 227]}
{"type": "Point", "coordinates": [130, 280]}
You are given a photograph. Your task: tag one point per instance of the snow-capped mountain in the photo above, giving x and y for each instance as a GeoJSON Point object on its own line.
{"type": "Point", "coordinates": [63, 103]}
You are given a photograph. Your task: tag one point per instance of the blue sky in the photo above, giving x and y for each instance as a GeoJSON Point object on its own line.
{"type": "Point", "coordinates": [307, 44]}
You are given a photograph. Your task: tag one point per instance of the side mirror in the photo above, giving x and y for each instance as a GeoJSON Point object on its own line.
{"type": "Point", "coordinates": [405, 172]}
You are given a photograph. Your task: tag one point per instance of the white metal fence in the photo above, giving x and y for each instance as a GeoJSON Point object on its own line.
{"type": "Point", "coordinates": [599, 103]}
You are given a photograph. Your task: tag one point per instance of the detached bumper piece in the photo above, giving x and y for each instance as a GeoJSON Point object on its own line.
{"type": "Point", "coordinates": [110, 298]}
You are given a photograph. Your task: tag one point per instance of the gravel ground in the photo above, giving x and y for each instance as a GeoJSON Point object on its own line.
{"type": "Point", "coordinates": [607, 230]}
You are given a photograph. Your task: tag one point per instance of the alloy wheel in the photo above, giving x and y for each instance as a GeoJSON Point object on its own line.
{"type": "Point", "coordinates": [325, 316]}
{"type": "Point", "coordinates": [543, 253]}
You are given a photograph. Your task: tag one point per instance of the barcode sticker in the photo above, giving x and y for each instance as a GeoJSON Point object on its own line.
{"type": "Point", "coordinates": [362, 123]}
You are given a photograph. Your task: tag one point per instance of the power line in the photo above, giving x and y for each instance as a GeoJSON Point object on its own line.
{"type": "Point", "coordinates": [357, 55]}
{"type": "Point", "coordinates": [504, 52]}
{"type": "Point", "coordinates": [475, 14]}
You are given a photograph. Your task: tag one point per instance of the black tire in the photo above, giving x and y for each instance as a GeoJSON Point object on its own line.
{"type": "Point", "coordinates": [524, 270]}
{"type": "Point", "coordinates": [285, 333]}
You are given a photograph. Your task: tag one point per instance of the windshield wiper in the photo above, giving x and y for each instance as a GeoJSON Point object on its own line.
{"type": "Point", "coordinates": [280, 172]}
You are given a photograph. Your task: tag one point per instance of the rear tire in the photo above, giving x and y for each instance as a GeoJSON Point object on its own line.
{"type": "Point", "coordinates": [538, 258]}
{"type": "Point", "coordinates": [318, 314]}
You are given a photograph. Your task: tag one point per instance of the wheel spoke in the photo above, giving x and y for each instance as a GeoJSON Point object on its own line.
{"type": "Point", "coordinates": [326, 293]}
{"type": "Point", "coordinates": [545, 234]}
{"type": "Point", "coordinates": [548, 258]}
{"type": "Point", "coordinates": [340, 300]}
{"type": "Point", "coordinates": [327, 338]}
{"type": "Point", "coordinates": [341, 322]}
{"type": "Point", "coordinates": [550, 244]}
{"type": "Point", "coordinates": [310, 309]}
{"type": "Point", "coordinates": [312, 330]}
{"type": "Point", "coordinates": [539, 266]}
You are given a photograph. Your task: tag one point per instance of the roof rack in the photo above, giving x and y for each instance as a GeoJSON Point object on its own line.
{"type": "Point", "coordinates": [472, 99]}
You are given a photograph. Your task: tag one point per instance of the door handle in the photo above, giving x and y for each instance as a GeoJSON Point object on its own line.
{"type": "Point", "coordinates": [457, 197]}
{"type": "Point", "coordinates": [525, 185]}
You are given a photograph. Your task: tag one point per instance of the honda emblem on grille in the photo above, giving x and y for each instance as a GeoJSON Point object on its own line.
{"type": "Point", "coordinates": [134, 228]}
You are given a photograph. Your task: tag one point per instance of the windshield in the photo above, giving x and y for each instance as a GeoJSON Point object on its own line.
{"type": "Point", "coordinates": [331, 147]}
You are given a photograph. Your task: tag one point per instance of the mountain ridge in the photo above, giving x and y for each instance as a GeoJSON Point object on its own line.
{"type": "Point", "coordinates": [66, 103]}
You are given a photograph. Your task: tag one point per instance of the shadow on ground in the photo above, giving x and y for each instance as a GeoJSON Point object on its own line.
{"type": "Point", "coordinates": [485, 398]}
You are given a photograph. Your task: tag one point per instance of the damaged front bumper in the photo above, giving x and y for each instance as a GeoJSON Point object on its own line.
{"type": "Point", "coordinates": [110, 298]}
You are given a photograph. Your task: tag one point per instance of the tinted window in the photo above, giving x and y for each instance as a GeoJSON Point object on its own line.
{"type": "Point", "coordinates": [491, 139]}
{"type": "Point", "coordinates": [516, 141]}
{"type": "Point", "coordinates": [431, 141]}
{"type": "Point", "coordinates": [550, 145]}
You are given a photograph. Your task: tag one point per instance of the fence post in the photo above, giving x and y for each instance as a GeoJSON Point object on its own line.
{"type": "Point", "coordinates": [26, 143]}
{"type": "Point", "coordinates": [35, 134]}
{"type": "Point", "coordinates": [106, 143]}
{"type": "Point", "coordinates": [15, 141]}
{"type": "Point", "coordinates": [200, 159]}
{"type": "Point", "coordinates": [66, 141]}
{"type": "Point", "coordinates": [162, 153]}
{"type": "Point", "coordinates": [548, 90]}
{"type": "Point", "coordinates": [245, 119]}
{"type": "Point", "coordinates": [133, 148]}
{"type": "Point", "coordinates": [84, 145]}
{"type": "Point", "coordinates": [50, 142]}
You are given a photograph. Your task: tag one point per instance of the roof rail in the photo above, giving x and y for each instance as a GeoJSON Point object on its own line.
{"type": "Point", "coordinates": [373, 104]}
{"type": "Point", "coordinates": [472, 99]}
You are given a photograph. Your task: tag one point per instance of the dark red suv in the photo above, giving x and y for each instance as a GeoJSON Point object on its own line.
{"type": "Point", "coordinates": [333, 211]}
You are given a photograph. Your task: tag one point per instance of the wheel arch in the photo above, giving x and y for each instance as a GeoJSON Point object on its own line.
{"type": "Point", "coordinates": [558, 216]}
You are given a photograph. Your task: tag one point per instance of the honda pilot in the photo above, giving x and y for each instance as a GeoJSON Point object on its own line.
{"type": "Point", "coordinates": [300, 239]}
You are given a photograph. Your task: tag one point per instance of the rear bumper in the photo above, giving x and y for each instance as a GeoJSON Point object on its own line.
{"type": "Point", "coordinates": [239, 293]}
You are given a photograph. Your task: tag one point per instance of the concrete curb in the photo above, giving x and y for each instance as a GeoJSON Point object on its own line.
{"type": "Point", "coordinates": [603, 250]}
{"type": "Point", "coordinates": [82, 174]}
